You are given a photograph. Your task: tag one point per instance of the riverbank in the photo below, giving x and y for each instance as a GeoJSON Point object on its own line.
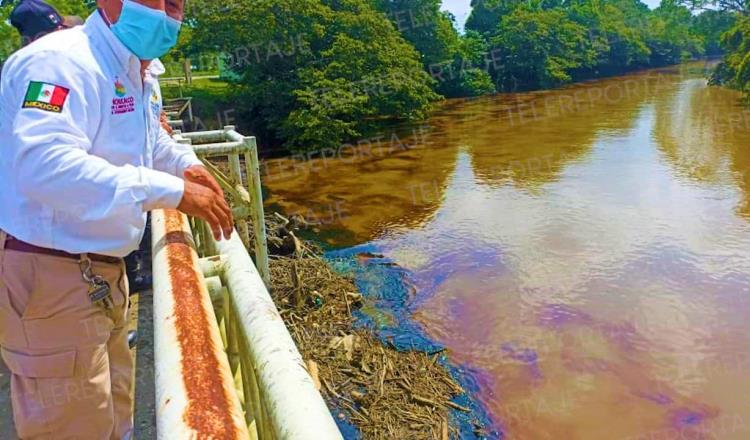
{"type": "Point", "coordinates": [214, 106]}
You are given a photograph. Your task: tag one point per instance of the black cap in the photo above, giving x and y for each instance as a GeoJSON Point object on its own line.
{"type": "Point", "coordinates": [34, 19]}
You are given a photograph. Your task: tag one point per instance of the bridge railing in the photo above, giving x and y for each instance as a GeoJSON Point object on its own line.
{"type": "Point", "coordinates": [195, 389]}
{"type": "Point", "coordinates": [226, 365]}
{"type": "Point", "coordinates": [177, 108]}
{"type": "Point", "coordinates": [244, 191]}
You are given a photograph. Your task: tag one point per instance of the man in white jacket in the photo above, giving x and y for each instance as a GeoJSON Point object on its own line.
{"type": "Point", "coordinates": [83, 158]}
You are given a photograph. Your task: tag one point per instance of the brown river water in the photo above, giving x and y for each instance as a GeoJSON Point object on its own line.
{"type": "Point", "coordinates": [584, 251]}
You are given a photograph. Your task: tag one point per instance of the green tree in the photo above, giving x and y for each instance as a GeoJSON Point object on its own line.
{"type": "Point", "coordinates": [734, 70]}
{"type": "Point", "coordinates": [486, 14]}
{"type": "Point", "coordinates": [81, 8]}
{"type": "Point", "coordinates": [550, 42]}
{"type": "Point", "coordinates": [9, 39]}
{"type": "Point", "coordinates": [739, 6]}
{"type": "Point", "coordinates": [671, 36]}
{"type": "Point", "coordinates": [615, 33]}
{"type": "Point", "coordinates": [711, 25]}
{"type": "Point", "coordinates": [475, 61]}
{"type": "Point", "coordinates": [541, 47]}
{"type": "Point", "coordinates": [314, 73]}
{"type": "Point", "coordinates": [425, 26]}
{"type": "Point", "coordinates": [455, 63]}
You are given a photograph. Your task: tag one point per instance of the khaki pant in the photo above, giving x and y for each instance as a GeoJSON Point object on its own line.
{"type": "Point", "coordinates": [70, 363]}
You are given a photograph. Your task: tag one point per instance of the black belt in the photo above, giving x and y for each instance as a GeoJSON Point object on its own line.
{"type": "Point", "coordinates": [14, 244]}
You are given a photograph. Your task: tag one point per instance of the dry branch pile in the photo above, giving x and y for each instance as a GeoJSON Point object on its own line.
{"type": "Point", "coordinates": [387, 394]}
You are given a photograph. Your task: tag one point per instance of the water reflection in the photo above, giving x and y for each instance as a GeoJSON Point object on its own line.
{"type": "Point", "coordinates": [704, 133]}
{"type": "Point", "coordinates": [597, 290]}
{"type": "Point", "coordinates": [360, 191]}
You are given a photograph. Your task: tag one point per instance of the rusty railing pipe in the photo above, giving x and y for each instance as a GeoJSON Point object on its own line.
{"type": "Point", "coordinates": [195, 395]}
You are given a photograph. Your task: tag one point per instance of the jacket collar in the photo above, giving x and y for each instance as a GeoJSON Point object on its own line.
{"type": "Point", "coordinates": [156, 68]}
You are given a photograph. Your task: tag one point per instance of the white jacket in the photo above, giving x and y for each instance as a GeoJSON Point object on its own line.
{"type": "Point", "coordinates": [83, 156]}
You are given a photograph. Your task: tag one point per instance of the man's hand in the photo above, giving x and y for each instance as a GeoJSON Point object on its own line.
{"type": "Point", "coordinates": [200, 175]}
{"type": "Point", "coordinates": [203, 198]}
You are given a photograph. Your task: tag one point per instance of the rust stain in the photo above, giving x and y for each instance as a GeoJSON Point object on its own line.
{"type": "Point", "coordinates": [209, 411]}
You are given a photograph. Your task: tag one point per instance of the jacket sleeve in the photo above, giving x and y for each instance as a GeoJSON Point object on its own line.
{"type": "Point", "coordinates": [172, 157]}
{"type": "Point", "coordinates": [50, 147]}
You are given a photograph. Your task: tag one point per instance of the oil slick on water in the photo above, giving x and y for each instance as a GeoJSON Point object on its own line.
{"type": "Point", "coordinates": [583, 254]}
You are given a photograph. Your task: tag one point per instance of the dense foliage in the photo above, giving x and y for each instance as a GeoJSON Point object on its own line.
{"type": "Point", "coordinates": [455, 63]}
{"type": "Point", "coordinates": [712, 24]}
{"type": "Point", "coordinates": [545, 43]}
{"type": "Point", "coordinates": [734, 70]}
{"type": "Point", "coordinates": [317, 73]}
{"type": "Point", "coordinates": [323, 72]}
{"type": "Point", "coordinates": [9, 39]}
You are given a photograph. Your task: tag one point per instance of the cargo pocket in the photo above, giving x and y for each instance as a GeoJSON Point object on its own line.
{"type": "Point", "coordinates": [39, 391]}
{"type": "Point", "coordinates": [58, 365]}
{"type": "Point", "coordinates": [123, 284]}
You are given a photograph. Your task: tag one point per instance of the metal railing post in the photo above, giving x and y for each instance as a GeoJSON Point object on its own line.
{"type": "Point", "coordinates": [241, 353]}
{"type": "Point", "coordinates": [235, 172]}
{"type": "Point", "coordinates": [258, 213]}
{"type": "Point", "coordinates": [289, 406]}
{"type": "Point", "coordinates": [218, 333]}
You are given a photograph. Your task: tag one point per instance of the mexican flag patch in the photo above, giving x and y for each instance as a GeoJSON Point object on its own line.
{"type": "Point", "coordinates": [45, 96]}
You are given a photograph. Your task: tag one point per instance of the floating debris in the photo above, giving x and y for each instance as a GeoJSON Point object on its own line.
{"type": "Point", "coordinates": [385, 393]}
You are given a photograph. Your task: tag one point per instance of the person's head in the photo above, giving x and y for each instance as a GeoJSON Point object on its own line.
{"type": "Point", "coordinates": [173, 8]}
{"type": "Point", "coordinates": [148, 28]}
{"type": "Point", "coordinates": [34, 19]}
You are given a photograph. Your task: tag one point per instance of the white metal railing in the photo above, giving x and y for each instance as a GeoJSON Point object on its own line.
{"type": "Point", "coordinates": [176, 108]}
{"type": "Point", "coordinates": [257, 387]}
{"type": "Point", "coordinates": [195, 392]}
{"type": "Point", "coordinates": [244, 191]}
{"type": "Point", "coordinates": [240, 373]}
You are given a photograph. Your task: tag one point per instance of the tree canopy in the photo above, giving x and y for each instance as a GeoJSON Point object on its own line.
{"type": "Point", "coordinates": [315, 73]}
{"type": "Point", "coordinates": [734, 70]}
{"type": "Point", "coordinates": [452, 61]}
{"type": "Point", "coordinates": [545, 43]}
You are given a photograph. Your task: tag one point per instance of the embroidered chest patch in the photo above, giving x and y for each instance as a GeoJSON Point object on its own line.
{"type": "Point", "coordinates": [122, 104]}
{"type": "Point", "coordinates": [120, 90]}
{"type": "Point", "coordinates": [155, 105]}
{"type": "Point", "coordinates": [45, 96]}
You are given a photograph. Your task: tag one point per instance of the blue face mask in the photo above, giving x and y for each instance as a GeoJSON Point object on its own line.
{"type": "Point", "coordinates": [148, 33]}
